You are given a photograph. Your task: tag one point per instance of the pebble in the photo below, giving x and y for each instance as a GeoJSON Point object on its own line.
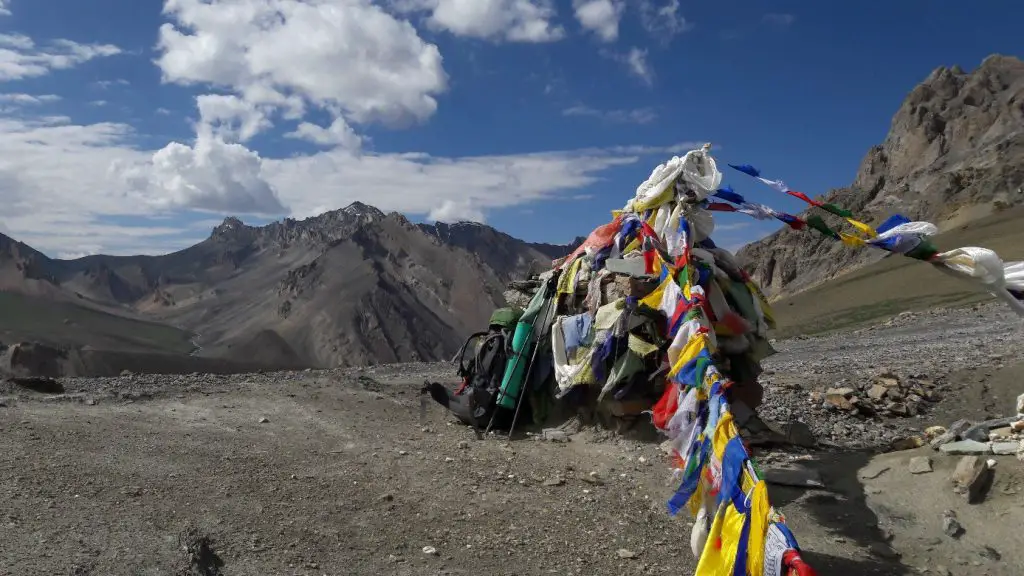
{"type": "Point", "coordinates": [430, 551]}
{"type": "Point", "coordinates": [264, 420]}
{"type": "Point", "coordinates": [625, 554]}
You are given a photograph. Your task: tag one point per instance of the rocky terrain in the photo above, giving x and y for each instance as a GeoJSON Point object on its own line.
{"type": "Point", "coordinates": [954, 153]}
{"type": "Point", "coordinates": [351, 472]}
{"type": "Point", "coordinates": [349, 287]}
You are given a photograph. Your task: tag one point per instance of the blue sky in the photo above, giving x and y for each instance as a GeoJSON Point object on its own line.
{"type": "Point", "coordinates": [539, 117]}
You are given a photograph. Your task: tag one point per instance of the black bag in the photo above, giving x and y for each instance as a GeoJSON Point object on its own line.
{"type": "Point", "coordinates": [481, 365]}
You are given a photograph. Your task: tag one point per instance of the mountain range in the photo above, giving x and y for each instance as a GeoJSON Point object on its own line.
{"type": "Point", "coordinates": [348, 287]}
{"type": "Point", "coordinates": [357, 286]}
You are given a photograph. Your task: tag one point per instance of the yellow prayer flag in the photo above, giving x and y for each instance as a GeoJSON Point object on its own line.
{"type": "Point", "coordinates": [864, 228]}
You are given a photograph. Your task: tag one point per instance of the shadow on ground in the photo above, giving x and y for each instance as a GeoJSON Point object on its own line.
{"type": "Point", "coordinates": [841, 511]}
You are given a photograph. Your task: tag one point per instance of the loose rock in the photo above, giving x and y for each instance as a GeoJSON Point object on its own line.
{"type": "Point", "coordinates": [951, 526]}
{"type": "Point", "coordinates": [973, 478]}
{"type": "Point", "coordinates": [920, 465]}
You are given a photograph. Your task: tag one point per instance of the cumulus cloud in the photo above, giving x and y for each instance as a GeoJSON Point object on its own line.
{"type": "Point", "coordinates": [4, 8]}
{"type": "Point", "coordinates": [255, 63]}
{"type": "Point", "coordinates": [600, 17]}
{"type": "Point", "coordinates": [230, 117]}
{"type": "Point", "coordinates": [456, 211]}
{"type": "Point", "coordinates": [495, 20]}
{"type": "Point", "coordinates": [56, 176]}
{"type": "Point", "coordinates": [211, 175]}
{"type": "Point", "coordinates": [21, 58]}
{"type": "Point", "coordinates": [339, 133]}
{"type": "Point", "coordinates": [352, 56]}
{"type": "Point", "coordinates": [632, 116]}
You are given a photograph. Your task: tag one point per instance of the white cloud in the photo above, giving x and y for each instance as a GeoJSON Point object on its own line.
{"type": "Point", "coordinates": [211, 175]}
{"type": "Point", "coordinates": [98, 103]}
{"type": "Point", "coordinates": [230, 117]}
{"type": "Point", "coordinates": [663, 19]}
{"type": "Point", "coordinates": [105, 84]}
{"type": "Point", "coordinates": [28, 99]}
{"type": "Point", "coordinates": [634, 116]}
{"type": "Point", "coordinates": [456, 211]}
{"type": "Point", "coordinates": [20, 58]}
{"type": "Point", "coordinates": [495, 20]}
{"type": "Point", "coordinates": [776, 19]}
{"type": "Point", "coordinates": [163, 111]}
{"type": "Point", "coordinates": [339, 133]}
{"type": "Point", "coordinates": [600, 17]}
{"type": "Point", "coordinates": [56, 176]}
{"type": "Point", "coordinates": [636, 62]}
{"type": "Point", "coordinates": [4, 10]}
{"type": "Point", "coordinates": [287, 54]}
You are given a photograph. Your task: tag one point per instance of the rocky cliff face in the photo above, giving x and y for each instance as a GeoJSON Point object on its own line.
{"type": "Point", "coordinates": [954, 152]}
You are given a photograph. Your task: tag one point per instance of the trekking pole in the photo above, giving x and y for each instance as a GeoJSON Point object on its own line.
{"type": "Point", "coordinates": [529, 370]}
{"type": "Point", "coordinates": [490, 424]}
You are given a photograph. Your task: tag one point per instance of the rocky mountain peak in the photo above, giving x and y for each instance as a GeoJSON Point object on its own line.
{"type": "Point", "coordinates": [954, 151]}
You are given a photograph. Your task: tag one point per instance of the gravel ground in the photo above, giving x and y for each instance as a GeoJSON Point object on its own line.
{"type": "Point", "coordinates": [347, 472]}
{"type": "Point", "coordinates": [952, 353]}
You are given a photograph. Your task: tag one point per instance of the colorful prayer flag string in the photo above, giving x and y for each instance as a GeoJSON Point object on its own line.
{"type": "Point", "coordinates": [830, 208]}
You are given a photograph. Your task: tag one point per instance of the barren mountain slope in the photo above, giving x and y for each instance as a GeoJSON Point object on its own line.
{"type": "Point", "coordinates": [351, 286]}
{"type": "Point", "coordinates": [954, 153]}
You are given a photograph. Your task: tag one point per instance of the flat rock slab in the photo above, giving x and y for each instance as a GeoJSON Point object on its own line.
{"type": "Point", "coordinates": [966, 447]}
{"type": "Point", "coordinates": [920, 465]}
{"type": "Point", "coordinates": [1008, 448]}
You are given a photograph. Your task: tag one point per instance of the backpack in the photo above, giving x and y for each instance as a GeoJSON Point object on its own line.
{"type": "Point", "coordinates": [481, 367]}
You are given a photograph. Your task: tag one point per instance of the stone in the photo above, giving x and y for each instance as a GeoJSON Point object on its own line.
{"type": "Point", "coordinates": [264, 420]}
{"type": "Point", "coordinates": [845, 392]}
{"type": "Point", "coordinates": [898, 409]}
{"type": "Point", "coordinates": [979, 432]}
{"type": "Point", "coordinates": [877, 392]}
{"type": "Point", "coordinates": [839, 400]}
{"type": "Point", "coordinates": [1018, 426]}
{"type": "Point", "coordinates": [554, 435]}
{"type": "Point", "coordinates": [920, 465]}
{"type": "Point", "coordinates": [625, 554]}
{"type": "Point", "coordinates": [908, 443]}
{"type": "Point", "coordinates": [1000, 433]}
{"type": "Point", "coordinates": [430, 551]}
{"type": "Point", "coordinates": [1006, 448]}
{"type": "Point", "coordinates": [1020, 404]}
{"type": "Point", "coordinates": [951, 526]}
{"type": "Point", "coordinates": [933, 432]}
{"type": "Point", "coordinates": [554, 481]}
{"type": "Point", "coordinates": [966, 447]}
{"type": "Point", "coordinates": [951, 435]}
{"type": "Point", "coordinates": [972, 477]}
{"type": "Point", "coordinates": [888, 380]}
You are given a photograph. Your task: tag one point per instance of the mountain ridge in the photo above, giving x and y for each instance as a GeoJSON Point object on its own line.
{"type": "Point", "coordinates": [954, 153]}
{"type": "Point", "coordinates": [347, 287]}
